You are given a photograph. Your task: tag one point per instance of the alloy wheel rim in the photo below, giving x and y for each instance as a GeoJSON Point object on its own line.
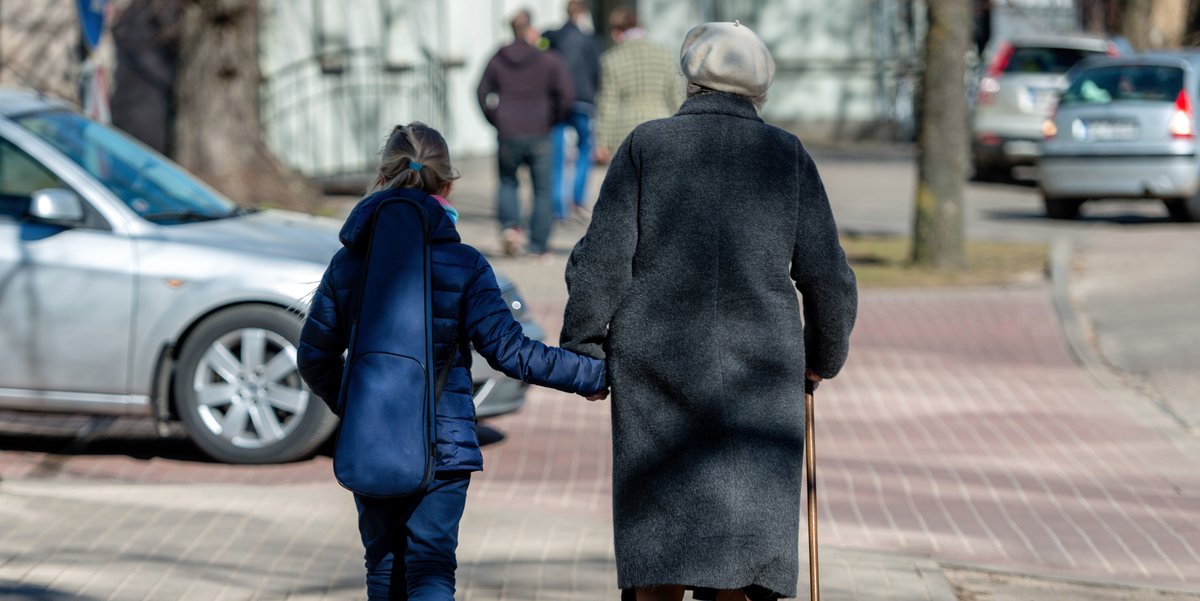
{"type": "Point", "coordinates": [248, 388]}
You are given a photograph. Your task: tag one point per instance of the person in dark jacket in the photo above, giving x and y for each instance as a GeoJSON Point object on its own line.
{"type": "Point", "coordinates": [523, 93]}
{"type": "Point", "coordinates": [684, 282]}
{"type": "Point", "coordinates": [410, 542]}
{"type": "Point", "coordinates": [581, 51]}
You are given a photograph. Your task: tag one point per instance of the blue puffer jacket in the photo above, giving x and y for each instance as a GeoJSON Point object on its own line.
{"type": "Point", "coordinates": [467, 308]}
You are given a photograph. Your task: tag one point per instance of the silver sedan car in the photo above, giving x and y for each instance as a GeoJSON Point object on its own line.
{"type": "Point", "coordinates": [127, 287]}
{"type": "Point", "coordinates": [1125, 128]}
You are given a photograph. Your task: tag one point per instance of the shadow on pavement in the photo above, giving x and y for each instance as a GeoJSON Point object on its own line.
{"type": "Point", "coordinates": [27, 592]}
{"type": "Point", "coordinates": [489, 435]}
{"type": "Point", "coordinates": [176, 449]}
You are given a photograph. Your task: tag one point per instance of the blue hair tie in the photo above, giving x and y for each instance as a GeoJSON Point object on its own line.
{"type": "Point", "coordinates": [415, 166]}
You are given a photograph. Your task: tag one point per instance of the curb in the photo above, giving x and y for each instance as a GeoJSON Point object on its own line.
{"type": "Point", "coordinates": [1149, 412]}
{"type": "Point", "coordinates": [1100, 583]}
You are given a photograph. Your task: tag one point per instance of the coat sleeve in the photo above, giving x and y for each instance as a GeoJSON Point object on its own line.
{"type": "Point", "coordinates": [606, 106]}
{"type": "Point", "coordinates": [323, 340]}
{"type": "Point", "coordinates": [499, 338]}
{"type": "Point", "coordinates": [487, 86]}
{"type": "Point", "coordinates": [822, 276]}
{"type": "Point", "coordinates": [600, 270]}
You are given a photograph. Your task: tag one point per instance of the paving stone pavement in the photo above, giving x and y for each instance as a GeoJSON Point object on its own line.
{"type": "Point", "coordinates": [961, 431]}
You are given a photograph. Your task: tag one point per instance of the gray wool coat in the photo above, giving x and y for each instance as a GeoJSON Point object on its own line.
{"type": "Point", "coordinates": [684, 282]}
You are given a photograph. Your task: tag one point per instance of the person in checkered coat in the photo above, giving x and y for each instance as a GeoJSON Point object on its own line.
{"type": "Point", "coordinates": [639, 81]}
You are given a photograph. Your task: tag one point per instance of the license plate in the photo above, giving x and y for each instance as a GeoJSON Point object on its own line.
{"type": "Point", "coordinates": [1043, 98]}
{"type": "Point", "coordinates": [1112, 130]}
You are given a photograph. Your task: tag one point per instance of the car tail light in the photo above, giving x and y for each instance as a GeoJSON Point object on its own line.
{"type": "Point", "coordinates": [1000, 63]}
{"type": "Point", "coordinates": [988, 87]}
{"type": "Point", "coordinates": [1049, 129]}
{"type": "Point", "coordinates": [1180, 124]}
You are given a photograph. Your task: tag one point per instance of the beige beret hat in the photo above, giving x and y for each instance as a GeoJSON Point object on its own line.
{"type": "Point", "coordinates": [727, 57]}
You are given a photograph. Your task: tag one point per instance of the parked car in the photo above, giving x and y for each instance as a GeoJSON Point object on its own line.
{"type": "Point", "coordinates": [128, 287]}
{"type": "Point", "coordinates": [1126, 128]}
{"type": "Point", "coordinates": [1023, 80]}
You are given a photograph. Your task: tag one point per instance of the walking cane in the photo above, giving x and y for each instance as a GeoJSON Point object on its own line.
{"type": "Point", "coordinates": [810, 459]}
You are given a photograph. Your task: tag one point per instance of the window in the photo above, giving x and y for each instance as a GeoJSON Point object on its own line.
{"type": "Point", "coordinates": [20, 177]}
{"type": "Point", "coordinates": [1033, 59]}
{"type": "Point", "coordinates": [1146, 83]}
{"type": "Point", "coordinates": [157, 189]}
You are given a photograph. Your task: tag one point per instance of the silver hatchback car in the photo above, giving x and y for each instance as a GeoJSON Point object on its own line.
{"type": "Point", "coordinates": [1024, 77]}
{"type": "Point", "coordinates": [127, 287]}
{"type": "Point", "coordinates": [1125, 128]}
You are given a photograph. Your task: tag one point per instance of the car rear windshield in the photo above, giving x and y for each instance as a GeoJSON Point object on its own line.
{"type": "Point", "coordinates": [1034, 59]}
{"type": "Point", "coordinates": [1146, 83]}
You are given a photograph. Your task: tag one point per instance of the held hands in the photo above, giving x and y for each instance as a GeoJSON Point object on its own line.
{"type": "Point", "coordinates": [599, 396]}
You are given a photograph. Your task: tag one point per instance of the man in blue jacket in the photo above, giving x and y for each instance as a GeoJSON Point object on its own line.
{"type": "Point", "coordinates": [581, 51]}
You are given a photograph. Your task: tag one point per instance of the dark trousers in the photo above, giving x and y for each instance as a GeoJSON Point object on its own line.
{"type": "Point", "coordinates": [534, 152]}
{"type": "Point", "coordinates": [581, 122]}
{"type": "Point", "coordinates": [411, 542]}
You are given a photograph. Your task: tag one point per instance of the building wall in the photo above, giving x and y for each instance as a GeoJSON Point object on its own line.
{"type": "Point", "coordinates": [844, 70]}
{"type": "Point", "coordinates": [340, 73]}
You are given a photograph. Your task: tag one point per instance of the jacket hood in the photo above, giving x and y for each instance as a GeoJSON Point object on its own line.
{"type": "Point", "coordinates": [518, 52]}
{"type": "Point", "coordinates": [357, 228]}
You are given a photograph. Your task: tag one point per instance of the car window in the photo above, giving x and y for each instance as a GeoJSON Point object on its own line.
{"type": "Point", "coordinates": [1147, 83]}
{"type": "Point", "coordinates": [20, 177]}
{"type": "Point", "coordinates": [1033, 59]}
{"type": "Point", "coordinates": [148, 183]}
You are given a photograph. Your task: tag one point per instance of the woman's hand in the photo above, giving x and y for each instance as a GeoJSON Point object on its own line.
{"type": "Point", "coordinates": [812, 377]}
{"type": "Point", "coordinates": [599, 396]}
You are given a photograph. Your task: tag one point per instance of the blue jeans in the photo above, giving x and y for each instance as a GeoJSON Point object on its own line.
{"type": "Point", "coordinates": [581, 122]}
{"type": "Point", "coordinates": [534, 152]}
{"type": "Point", "coordinates": [411, 542]}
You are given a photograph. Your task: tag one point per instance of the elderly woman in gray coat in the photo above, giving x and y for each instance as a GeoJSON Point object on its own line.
{"type": "Point", "coordinates": [684, 283]}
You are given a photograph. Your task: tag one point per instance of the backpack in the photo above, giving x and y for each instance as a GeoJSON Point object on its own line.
{"type": "Point", "coordinates": [386, 442]}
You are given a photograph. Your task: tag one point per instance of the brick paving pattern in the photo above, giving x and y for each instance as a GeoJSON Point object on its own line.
{"type": "Point", "coordinates": [961, 430]}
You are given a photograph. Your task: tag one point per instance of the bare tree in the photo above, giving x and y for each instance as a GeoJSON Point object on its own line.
{"type": "Point", "coordinates": [942, 139]}
{"type": "Point", "coordinates": [217, 130]}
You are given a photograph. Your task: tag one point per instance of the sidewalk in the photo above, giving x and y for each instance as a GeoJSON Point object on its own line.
{"type": "Point", "coordinates": [961, 453]}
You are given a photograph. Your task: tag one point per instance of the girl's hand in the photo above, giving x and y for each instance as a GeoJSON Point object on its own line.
{"type": "Point", "coordinates": [599, 396]}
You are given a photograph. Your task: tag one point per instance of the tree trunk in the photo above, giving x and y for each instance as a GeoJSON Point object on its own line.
{"type": "Point", "coordinates": [1135, 23]}
{"type": "Point", "coordinates": [942, 141]}
{"type": "Point", "coordinates": [217, 131]}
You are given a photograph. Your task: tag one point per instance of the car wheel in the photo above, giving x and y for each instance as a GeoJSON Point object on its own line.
{"type": "Point", "coordinates": [239, 393]}
{"type": "Point", "coordinates": [1184, 210]}
{"type": "Point", "coordinates": [1062, 208]}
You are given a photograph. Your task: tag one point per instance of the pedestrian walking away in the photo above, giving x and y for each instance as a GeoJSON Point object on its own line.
{"type": "Point", "coordinates": [639, 81]}
{"type": "Point", "coordinates": [410, 542]}
{"type": "Point", "coordinates": [523, 93]}
{"type": "Point", "coordinates": [581, 52]}
{"type": "Point", "coordinates": [685, 282]}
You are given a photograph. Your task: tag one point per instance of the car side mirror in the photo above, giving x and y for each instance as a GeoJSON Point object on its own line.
{"type": "Point", "coordinates": [56, 206]}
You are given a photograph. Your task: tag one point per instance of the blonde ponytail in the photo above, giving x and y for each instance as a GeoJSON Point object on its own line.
{"type": "Point", "coordinates": [414, 156]}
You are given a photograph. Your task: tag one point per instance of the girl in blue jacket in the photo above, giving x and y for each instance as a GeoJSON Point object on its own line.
{"type": "Point", "coordinates": [410, 542]}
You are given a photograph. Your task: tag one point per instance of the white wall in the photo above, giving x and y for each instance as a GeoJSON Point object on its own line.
{"type": "Point", "coordinates": [315, 130]}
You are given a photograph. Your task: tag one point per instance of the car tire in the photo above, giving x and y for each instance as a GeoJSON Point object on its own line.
{"type": "Point", "coordinates": [1184, 210]}
{"type": "Point", "coordinates": [1062, 208]}
{"type": "Point", "coordinates": [238, 391]}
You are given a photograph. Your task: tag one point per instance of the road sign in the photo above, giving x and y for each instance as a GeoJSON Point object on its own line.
{"type": "Point", "coordinates": [91, 21]}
